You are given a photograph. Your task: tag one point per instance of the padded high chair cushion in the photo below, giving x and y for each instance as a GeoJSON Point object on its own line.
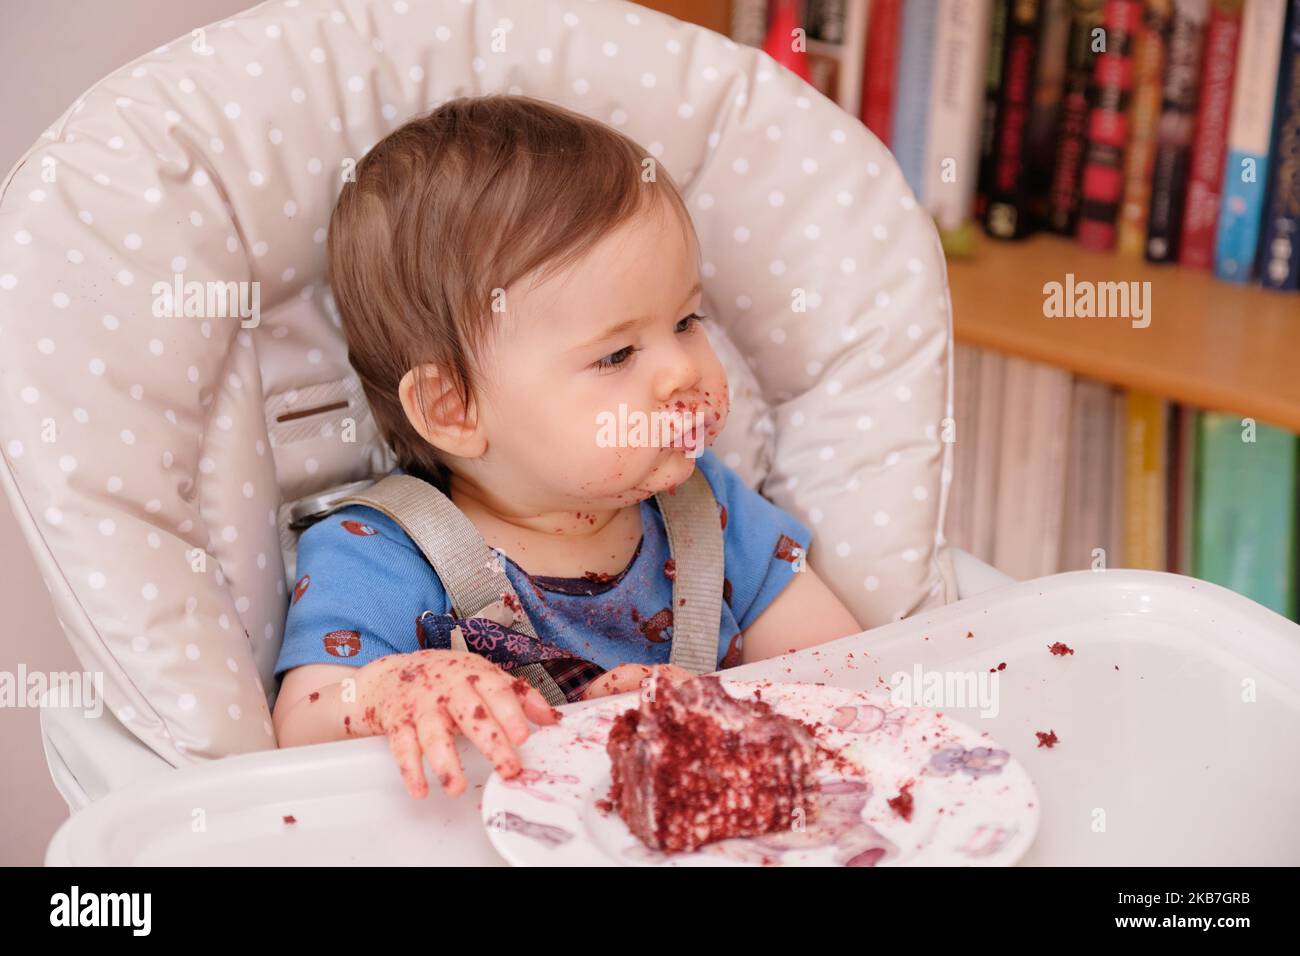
{"type": "Point", "coordinates": [148, 455]}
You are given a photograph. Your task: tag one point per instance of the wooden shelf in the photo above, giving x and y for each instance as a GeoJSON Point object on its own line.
{"type": "Point", "coordinates": [1210, 344]}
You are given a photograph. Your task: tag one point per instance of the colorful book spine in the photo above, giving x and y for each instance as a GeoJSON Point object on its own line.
{"type": "Point", "coordinates": [1279, 251]}
{"type": "Point", "coordinates": [1177, 123]}
{"type": "Point", "coordinates": [1246, 511]}
{"type": "Point", "coordinates": [1071, 139]}
{"type": "Point", "coordinates": [1103, 166]}
{"type": "Point", "coordinates": [1210, 143]}
{"type": "Point", "coordinates": [912, 91]}
{"type": "Point", "coordinates": [952, 141]}
{"type": "Point", "coordinates": [1146, 423]}
{"type": "Point", "coordinates": [989, 116]}
{"type": "Point", "coordinates": [1006, 216]}
{"type": "Point", "coordinates": [1245, 171]}
{"type": "Point", "coordinates": [881, 67]}
{"type": "Point", "coordinates": [1148, 76]}
{"type": "Point", "coordinates": [1045, 114]}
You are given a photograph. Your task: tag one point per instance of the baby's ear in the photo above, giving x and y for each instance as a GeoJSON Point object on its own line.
{"type": "Point", "coordinates": [435, 410]}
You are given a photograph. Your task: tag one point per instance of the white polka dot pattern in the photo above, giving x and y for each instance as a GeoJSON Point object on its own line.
{"type": "Point", "coordinates": [140, 442]}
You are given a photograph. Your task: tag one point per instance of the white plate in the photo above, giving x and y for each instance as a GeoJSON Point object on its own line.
{"type": "Point", "coordinates": [972, 804]}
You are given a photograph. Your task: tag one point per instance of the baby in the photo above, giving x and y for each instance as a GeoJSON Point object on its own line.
{"type": "Point", "coordinates": [507, 272]}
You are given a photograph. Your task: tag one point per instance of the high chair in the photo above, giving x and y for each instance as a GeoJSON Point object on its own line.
{"type": "Point", "coordinates": [155, 445]}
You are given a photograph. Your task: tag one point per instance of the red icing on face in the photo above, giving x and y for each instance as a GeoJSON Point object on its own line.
{"type": "Point", "coordinates": [359, 529]}
{"type": "Point", "coordinates": [480, 713]}
{"type": "Point", "coordinates": [301, 587]}
{"type": "Point", "coordinates": [313, 696]}
{"type": "Point", "coordinates": [342, 643]}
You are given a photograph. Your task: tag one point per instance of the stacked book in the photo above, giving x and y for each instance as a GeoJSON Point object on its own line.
{"type": "Point", "coordinates": [1168, 129]}
{"type": "Point", "coordinates": [1053, 472]}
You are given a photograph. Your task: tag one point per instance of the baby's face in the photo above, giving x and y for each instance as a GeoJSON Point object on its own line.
{"type": "Point", "coordinates": [617, 328]}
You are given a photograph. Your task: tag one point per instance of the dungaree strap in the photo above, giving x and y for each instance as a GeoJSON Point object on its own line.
{"type": "Point", "coordinates": [477, 583]}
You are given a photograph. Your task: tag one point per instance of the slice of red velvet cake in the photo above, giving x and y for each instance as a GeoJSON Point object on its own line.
{"type": "Point", "coordinates": [695, 765]}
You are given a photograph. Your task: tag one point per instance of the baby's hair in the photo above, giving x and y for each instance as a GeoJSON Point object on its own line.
{"type": "Point", "coordinates": [457, 203]}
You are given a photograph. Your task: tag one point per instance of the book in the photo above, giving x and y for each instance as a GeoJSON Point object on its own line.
{"type": "Point", "coordinates": [1006, 214]}
{"type": "Point", "coordinates": [1144, 111]}
{"type": "Point", "coordinates": [1087, 511]}
{"type": "Point", "coordinates": [749, 21]}
{"type": "Point", "coordinates": [1210, 141]}
{"type": "Point", "coordinates": [836, 38]}
{"type": "Point", "coordinates": [1045, 110]}
{"type": "Point", "coordinates": [1246, 513]}
{"type": "Point", "coordinates": [1184, 443]}
{"type": "Point", "coordinates": [1245, 171]}
{"type": "Point", "coordinates": [1279, 248]}
{"type": "Point", "coordinates": [1032, 469]}
{"type": "Point", "coordinates": [959, 522]}
{"type": "Point", "coordinates": [1118, 525]}
{"type": "Point", "coordinates": [952, 140]}
{"type": "Point", "coordinates": [912, 91]}
{"type": "Point", "coordinates": [880, 67]}
{"type": "Point", "coordinates": [1103, 164]}
{"type": "Point", "coordinates": [989, 115]}
{"type": "Point", "coordinates": [989, 405]}
{"type": "Point", "coordinates": [1072, 131]}
{"type": "Point", "coordinates": [1177, 123]}
{"type": "Point", "coordinates": [1146, 446]}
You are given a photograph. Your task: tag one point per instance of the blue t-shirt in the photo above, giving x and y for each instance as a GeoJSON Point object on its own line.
{"type": "Point", "coordinates": [363, 584]}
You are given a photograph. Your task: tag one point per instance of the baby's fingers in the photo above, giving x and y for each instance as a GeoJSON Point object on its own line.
{"type": "Point", "coordinates": [535, 706]}
{"type": "Point", "coordinates": [405, 745]}
{"type": "Point", "coordinates": [470, 714]}
{"type": "Point", "coordinates": [436, 735]}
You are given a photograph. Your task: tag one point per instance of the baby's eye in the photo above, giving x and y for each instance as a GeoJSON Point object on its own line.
{"type": "Point", "coordinates": [689, 323]}
{"type": "Point", "coordinates": [615, 359]}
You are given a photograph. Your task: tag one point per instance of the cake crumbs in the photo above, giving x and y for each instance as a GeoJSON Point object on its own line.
{"type": "Point", "coordinates": [1060, 649]}
{"type": "Point", "coordinates": [1048, 739]}
{"type": "Point", "coordinates": [902, 804]}
{"type": "Point", "coordinates": [290, 819]}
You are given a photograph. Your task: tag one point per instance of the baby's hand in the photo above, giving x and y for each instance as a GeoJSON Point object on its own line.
{"type": "Point", "coordinates": [420, 700]}
{"type": "Point", "coordinates": [628, 677]}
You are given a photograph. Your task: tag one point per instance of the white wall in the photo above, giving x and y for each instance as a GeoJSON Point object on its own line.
{"type": "Point", "coordinates": [51, 51]}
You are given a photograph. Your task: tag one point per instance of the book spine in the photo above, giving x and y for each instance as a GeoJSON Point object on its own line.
{"type": "Point", "coordinates": [1071, 138]}
{"type": "Point", "coordinates": [749, 21]}
{"type": "Point", "coordinates": [1201, 209]}
{"type": "Point", "coordinates": [989, 115]}
{"type": "Point", "coordinates": [1006, 216]}
{"type": "Point", "coordinates": [1245, 171]}
{"type": "Point", "coordinates": [1245, 522]}
{"type": "Point", "coordinates": [1177, 122]}
{"type": "Point", "coordinates": [912, 86]}
{"type": "Point", "coordinates": [1045, 114]}
{"type": "Point", "coordinates": [1148, 74]}
{"type": "Point", "coordinates": [1279, 265]}
{"type": "Point", "coordinates": [1144, 484]}
{"type": "Point", "coordinates": [881, 66]}
{"type": "Point", "coordinates": [953, 138]}
{"type": "Point", "coordinates": [1103, 167]}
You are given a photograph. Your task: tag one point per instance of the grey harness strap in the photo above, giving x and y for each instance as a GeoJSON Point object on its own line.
{"type": "Point", "coordinates": [476, 581]}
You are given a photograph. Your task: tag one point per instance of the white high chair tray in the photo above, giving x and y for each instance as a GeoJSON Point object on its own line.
{"type": "Point", "coordinates": [1176, 718]}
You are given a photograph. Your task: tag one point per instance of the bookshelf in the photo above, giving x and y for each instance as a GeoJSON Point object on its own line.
{"type": "Point", "coordinates": [1210, 344]}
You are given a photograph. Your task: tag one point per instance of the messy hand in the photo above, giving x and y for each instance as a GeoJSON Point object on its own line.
{"type": "Point", "coordinates": [421, 700]}
{"type": "Point", "coordinates": [628, 677]}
